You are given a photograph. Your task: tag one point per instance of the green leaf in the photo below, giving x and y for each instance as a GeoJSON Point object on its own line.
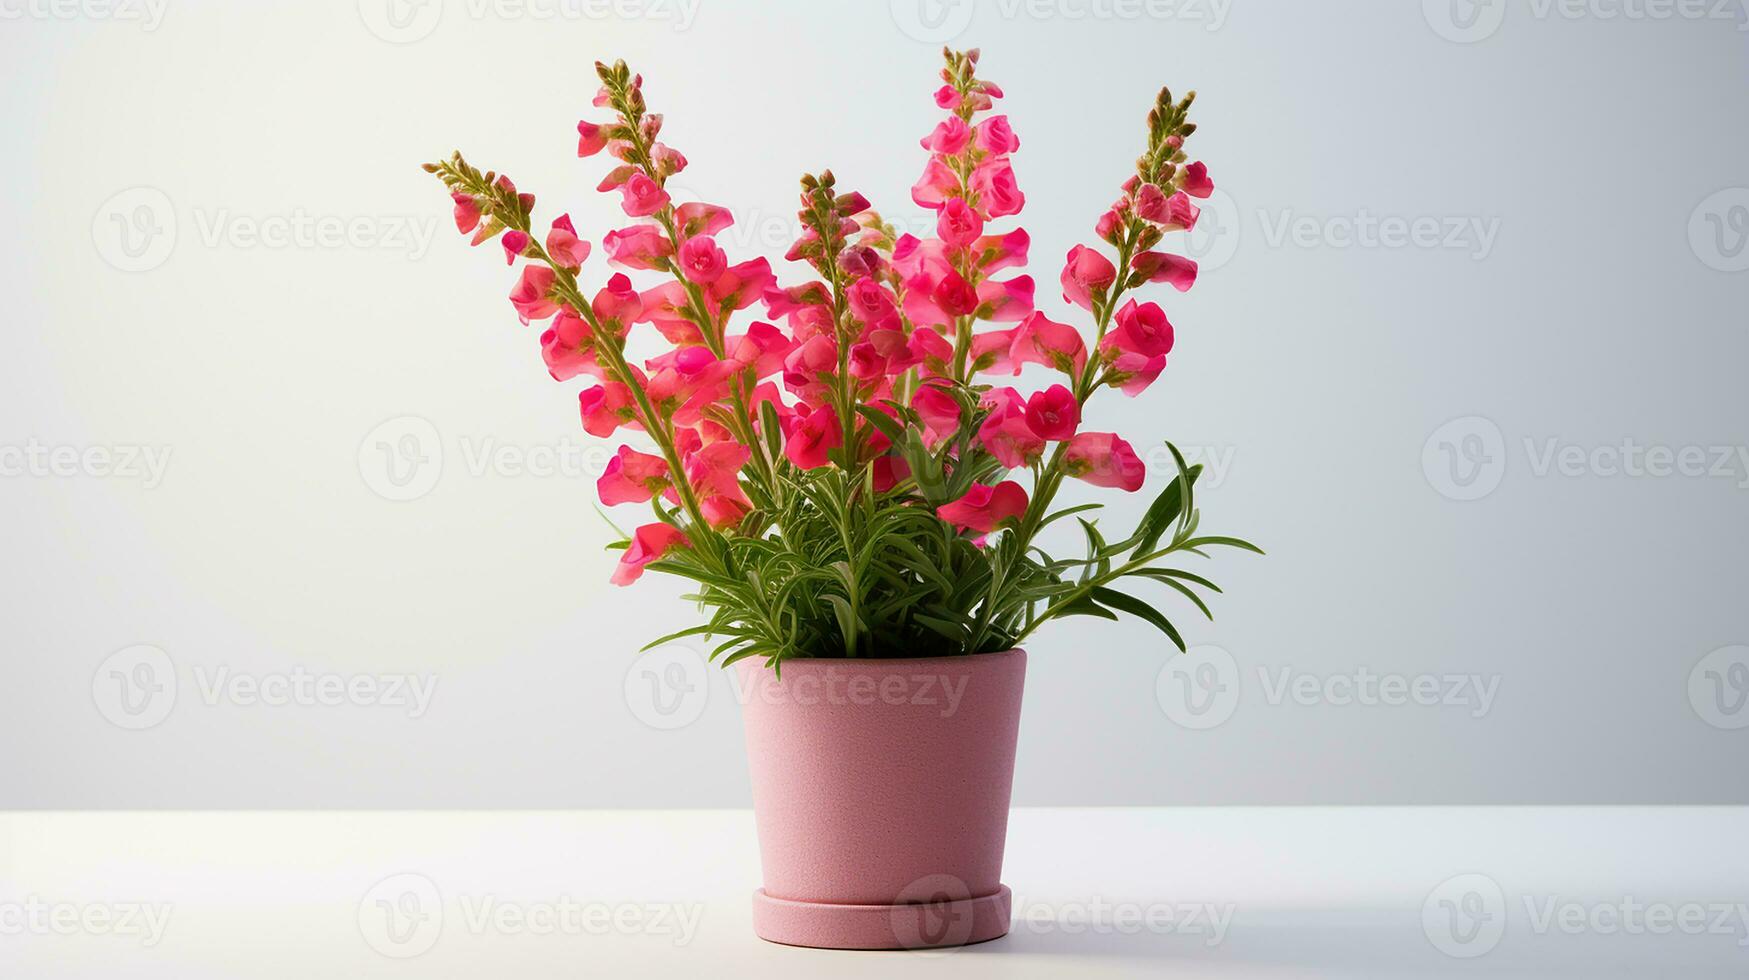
{"type": "Point", "coordinates": [1083, 606]}
{"type": "Point", "coordinates": [952, 629]}
{"type": "Point", "coordinates": [1095, 551]}
{"type": "Point", "coordinates": [1068, 511]}
{"type": "Point", "coordinates": [771, 429]}
{"type": "Point", "coordinates": [1164, 510]}
{"type": "Point", "coordinates": [1136, 607]}
{"type": "Point", "coordinates": [847, 622]}
{"type": "Point", "coordinates": [1228, 542]}
{"type": "Point", "coordinates": [705, 630]}
{"type": "Point", "coordinates": [1185, 589]}
{"type": "Point", "coordinates": [888, 426]}
{"type": "Point", "coordinates": [1188, 508]}
{"type": "Point", "coordinates": [1162, 574]}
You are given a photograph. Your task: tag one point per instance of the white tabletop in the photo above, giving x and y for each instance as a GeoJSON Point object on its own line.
{"type": "Point", "coordinates": [1228, 892]}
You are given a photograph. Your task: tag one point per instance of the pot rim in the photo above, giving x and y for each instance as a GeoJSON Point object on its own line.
{"type": "Point", "coordinates": [876, 661]}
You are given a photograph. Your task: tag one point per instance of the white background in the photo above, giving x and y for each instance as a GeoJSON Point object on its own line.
{"type": "Point", "coordinates": [1600, 153]}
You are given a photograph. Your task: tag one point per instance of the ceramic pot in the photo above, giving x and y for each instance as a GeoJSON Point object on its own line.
{"type": "Point", "coordinates": [881, 792]}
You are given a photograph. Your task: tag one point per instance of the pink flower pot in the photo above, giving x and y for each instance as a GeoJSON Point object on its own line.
{"type": "Point", "coordinates": [881, 792]}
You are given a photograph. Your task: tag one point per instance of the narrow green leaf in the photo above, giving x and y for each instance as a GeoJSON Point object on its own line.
{"type": "Point", "coordinates": [1228, 542]}
{"type": "Point", "coordinates": [1136, 607]}
{"type": "Point", "coordinates": [1164, 510]}
{"type": "Point", "coordinates": [887, 425]}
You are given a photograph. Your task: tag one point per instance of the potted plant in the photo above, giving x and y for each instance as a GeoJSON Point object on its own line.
{"type": "Point", "coordinates": [854, 491]}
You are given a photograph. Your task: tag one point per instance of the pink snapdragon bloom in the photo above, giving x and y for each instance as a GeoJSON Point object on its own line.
{"type": "Point", "coordinates": [1053, 414]}
{"type": "Point", "coordinates": [701, 261]}
{"type": "Point", "coordinates": [984, 508]}
{"type": "Point", "coordinates": [714, 472]}
{"type": "Point", "coordinates": [637, 247]}
{"type": "Point", "coordinates": [997, 252]}
{"type": "Point", "coordinates": [616, 178]}
{"type": "Point", "coordinates": [1175, 270]}
{"type": "Point", "coordinates": [921, 258]}
{"type": "Point", "coordinates": [740, 285]}
{"type": "Point", "coordinates": [809, 367]}
{"type": "Point", "coordinates": [809, 442]}
{"type": "Point", "coordinates": [939, 411]}
{"type": "Point", "coordinates": [871, 303]}
{"type": "Point", "coordinates": [1007, 301]}
{"type": "Point", "coordinates": [1110, 227]}
{"type": "Point", "coordinates": [467, 212]}
{"type": "Point", "coordinates": [761, 349]}
{"type": "Point", "coordinates": [1086, 272]}
{"type": "Point", "coordinates": [530, 295]}
{"type": "Point", "coordinates": [892, 344]}
{"type": "Point", "coordinates": [591, 138]}
{"type": "Point", "coordinates": [1133, 373]}
{"type": "Point", "coordinates": [936, 186]}
{"type": "Point", "coordinates": [867, 363]}
{"type": "Point", "coordinates": [954, 296]}
{"type": "Point", "coordinates": [998, 193]}
{"type": "Point", "coordinates": [564, 246]}
{"type": "Point", "coordinates": [1104, 460]}
{"type": "Point", "coordinates": [568, 348]}
{"type": "Point", "coordinates": [1150, 203]}
{"type": "Point", "coordinates": [1005, 434]}
{"type": "Point", "coordinates": [860, 260]}
{"type": "Point", "coordinates": [957, 224]}
{"type": "Point", "coordinates": [649, 543]}
{"type": "Point", "coordinates": [632, 477]}
{"type": "Point", "coordinates": [668, 160]}
{"type": "Point", "coordinates": [515, 243]}
{"type": "Point", "coordinates": [686, 381]}
{"type": "Point", "coordinates": [990, 351]}
{"type": "Point", "coordinates": [695, 218]}
{"type": "Point", "coordinates": [617, 305]}
{"type": "Point", "coordinates": [666, 308]}
{"type": "Point", "coordinates": [1141, 329]}
{"type": "Point", "coordinates": [1174, 213]}
{"type": "Point", "coordinates": [640, 196]}
{"type": "Point", "coordinates": [606, 407]}
{"type": "Point", "coordinates": [921, 307]}
{"type": "Point", "coordinates": [949, 137]}
{"type": "Point", "coordinates": [995, 136]}
{"type": "Point", "coordinates": [933, 351]}
{"type": "Point", "coordinates": [1040, 340]}
{"type": "Point", "coordinates": [1196, 181]}
{"type": "Point", "coordinates": [782, 301]}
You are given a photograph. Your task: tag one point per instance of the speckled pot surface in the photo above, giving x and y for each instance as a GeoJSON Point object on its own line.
{"type": "Point", "coordinates": [881, 791]}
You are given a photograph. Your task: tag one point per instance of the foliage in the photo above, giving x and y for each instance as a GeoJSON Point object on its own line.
{"type": "Point", "coordinates": [867, 507]}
